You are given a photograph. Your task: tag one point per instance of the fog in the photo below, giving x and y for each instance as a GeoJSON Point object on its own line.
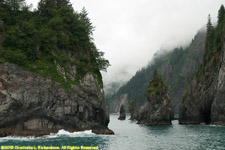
{"type": "Point", "coordinates": [131, 31]}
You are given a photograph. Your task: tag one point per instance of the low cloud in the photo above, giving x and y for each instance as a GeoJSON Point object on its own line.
{"type": "Point", "coordinates": [131, 31]}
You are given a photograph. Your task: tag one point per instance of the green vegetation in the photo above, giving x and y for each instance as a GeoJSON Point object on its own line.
{"type": "Point", "coordinates": [156, 85]}
{"type": "Point", "coordinates": [50, 40]}
{"type": "Point", "coordinates": [214, 40]}
{"type": "Point", "coordinates": [177, 67]}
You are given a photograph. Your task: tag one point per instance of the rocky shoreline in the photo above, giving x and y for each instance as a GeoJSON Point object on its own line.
{"type": "Point", "coordinates": [12, 132]}
{"type": "Point", "coordinates": [31, 105]}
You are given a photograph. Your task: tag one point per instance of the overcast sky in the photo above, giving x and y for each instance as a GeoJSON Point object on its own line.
{"type": "Point", "coordinates": [131, 31]}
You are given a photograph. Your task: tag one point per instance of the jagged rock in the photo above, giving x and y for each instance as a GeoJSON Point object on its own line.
{"type": "Point", "coordinates": [218, 105]}
{"type": "Point", "coordinates": [204, 102]}
{"type": "Point", "coordinates": [177, 68]}
{"type": "Point", "coordinates": [33, 105]}
{"type": "Point", "coordinates": [197, 101]}
{"type": "Point", "coordinates": [122, 113]}
{"type": "Point", "coordinates": [115, 105]}
{"type": "Point", "coordinates": [133, 109]}
{"type": "Point", "coordinates": [157, 109]}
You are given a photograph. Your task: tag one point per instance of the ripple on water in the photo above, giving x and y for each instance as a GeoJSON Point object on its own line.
{"type": "Point", "coordinates": [131, 136]}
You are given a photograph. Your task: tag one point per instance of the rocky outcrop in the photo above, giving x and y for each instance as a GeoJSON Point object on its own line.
{"type": "Point", "coordinates": [204, 101]}
{"type": "Point", "coordinates": [157, 109]}
{"type": "Point", "coordinates": [177, 68]}
{"type": "Point", "coordinates": [133, 109]}
{"type": "Point", "coordinates": [33, 105]}
{"type": "Point", "coordinates": [115, 105]}
{"type": "Point", "coordinates": [218, 104]}
{"type": "Point", "coordinates": [122, 113]}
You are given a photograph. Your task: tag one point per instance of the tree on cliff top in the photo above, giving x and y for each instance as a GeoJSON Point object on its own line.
{"type": "Point", "coordinates": [214, 40]}
{"type": "Point", "coordinates": [54, 34]}
{"type": "Point", "coordinates": [156, 85]}
{"type": "Point", "coordinates": [209, 26]}
{"type": "Point", "coordinates": [221, 14]}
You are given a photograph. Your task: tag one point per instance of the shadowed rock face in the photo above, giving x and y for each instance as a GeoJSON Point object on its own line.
{"type": "Point", "coordinates": [204, 101]}
{"type": "Point", "coordinates": [177, 68]}
{"type": "Point", "coordinates": [122, 113]}
{"type": "Point", "coordinates": [157, 109]}
{"type": "Point", "coordinates": [33, 105]}
{"type": "Point", "coordinates": [115, 105]}
{"type": "Point", "coordinates": [133, 109]}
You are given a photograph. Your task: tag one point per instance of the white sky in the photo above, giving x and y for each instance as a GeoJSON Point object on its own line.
{"type": "Point", "coordinates": [131, 31]}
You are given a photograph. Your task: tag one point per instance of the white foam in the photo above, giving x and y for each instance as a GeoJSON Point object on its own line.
{"type": "Point", "coordinates": [86, 133]}
{"type": "Point", "coordinates": [62, 132]}
{"type": "Point", "coordinates": [19, 138]}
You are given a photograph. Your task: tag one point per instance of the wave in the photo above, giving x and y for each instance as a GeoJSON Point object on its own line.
{"type": "Point", "coordinates": [61, 133]}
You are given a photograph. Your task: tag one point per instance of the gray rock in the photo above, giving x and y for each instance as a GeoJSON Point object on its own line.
{"type": "Point", "coordinates": [33, 105]}
{"type": "Point", "coordinates": [122, 113]}
{"type": "Point", "coordinates": [204, 101]}
{"type": "Point", "coordinates": [133, 109]}
{"type": "Point", "coordinates": [115, 105]}
{"type": "Point", "coordinates": [157, 109]}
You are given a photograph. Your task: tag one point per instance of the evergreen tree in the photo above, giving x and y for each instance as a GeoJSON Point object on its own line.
{"type": "Point", "coordinates": [15, 5]}
{"type": "Point", "coordinates": [1, 7]}
{"type": "Point", "coordinates": [60, 3]}
{"type": "Point", "coordinates": [209, 26]}
{"type": "Point", "coordinates": [155, 75]}
{"type": "Point", "coordinates": [221, 14]}
{"type": "Point", "coordinates": [84, 17]}
{"type": "Point", "coordinates": [40, 39]}
{"type": "Point", "coordinates": [45, 5]}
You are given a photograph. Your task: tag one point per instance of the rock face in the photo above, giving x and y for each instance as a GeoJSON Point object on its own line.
{"type": "Point", "coordinates": [122, 113]}
{"type": "Point", "coordinates": [33, 105]}
{"type": "Point", "coordinates": [204, 101]}
{"type": "Point", "coordinates": [177, 68]}
{"type": "Point", "coordinates": [133, 109]}
{"type": "Point", "coordinates": [157, 109]}
{"type": "Point", "coordinates": [115, 105]}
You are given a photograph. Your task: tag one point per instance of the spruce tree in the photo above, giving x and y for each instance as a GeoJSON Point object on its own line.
{"type": "Point", "coordinates": [84, 17]}
{"type": "Point", "coordinates": [209, 26]}
{"type": "Point", "coordinates": [15, 5]}
{"type": "Point", "coordinates": [221, 14]}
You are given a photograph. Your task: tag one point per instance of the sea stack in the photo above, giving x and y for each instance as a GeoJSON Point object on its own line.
{"type": "Point", "coordinates": [122, 113]}
{"type": "Point", "coordinates": [204, 100]}
{"type": "Point", "coordinates": [157, 109]}
{"type": "Point", "coordinates": [133, 109]}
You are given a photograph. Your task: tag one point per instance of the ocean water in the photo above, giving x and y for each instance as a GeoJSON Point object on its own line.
{"type": "Point", "coordinates": [131, 136]}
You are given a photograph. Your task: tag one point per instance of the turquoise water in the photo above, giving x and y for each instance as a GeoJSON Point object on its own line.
{"type": "Point", "coordinates": [130, 136]}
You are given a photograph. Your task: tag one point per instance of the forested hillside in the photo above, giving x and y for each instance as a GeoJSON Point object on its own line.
{"type": "Point", "coordinates": [42, 40]}
{"type": "Point", "coordinates": [204, 100]}
{"type": "Point", "coordinates": [177, 68]}
{"type": "Point", "coordinates": [49, 71]}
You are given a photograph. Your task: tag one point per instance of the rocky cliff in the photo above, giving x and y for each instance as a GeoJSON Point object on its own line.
{"type": "Point", "coordinates": [114, 107]}
{"type": "Point", "coordinates": [122, 113]}
{"type": "Point", "coordinates": [49, 71]}
{"type": "Point", "coordinates": [33, 105]}
{"type": "Point", "coordinates": [134, 110]}
{"type": "Point", "coordinates": [177, 67]}
{"type": "Point", "coordinates": [157, 109]}
{"type": "Point", "coordinates": [204, 100]}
